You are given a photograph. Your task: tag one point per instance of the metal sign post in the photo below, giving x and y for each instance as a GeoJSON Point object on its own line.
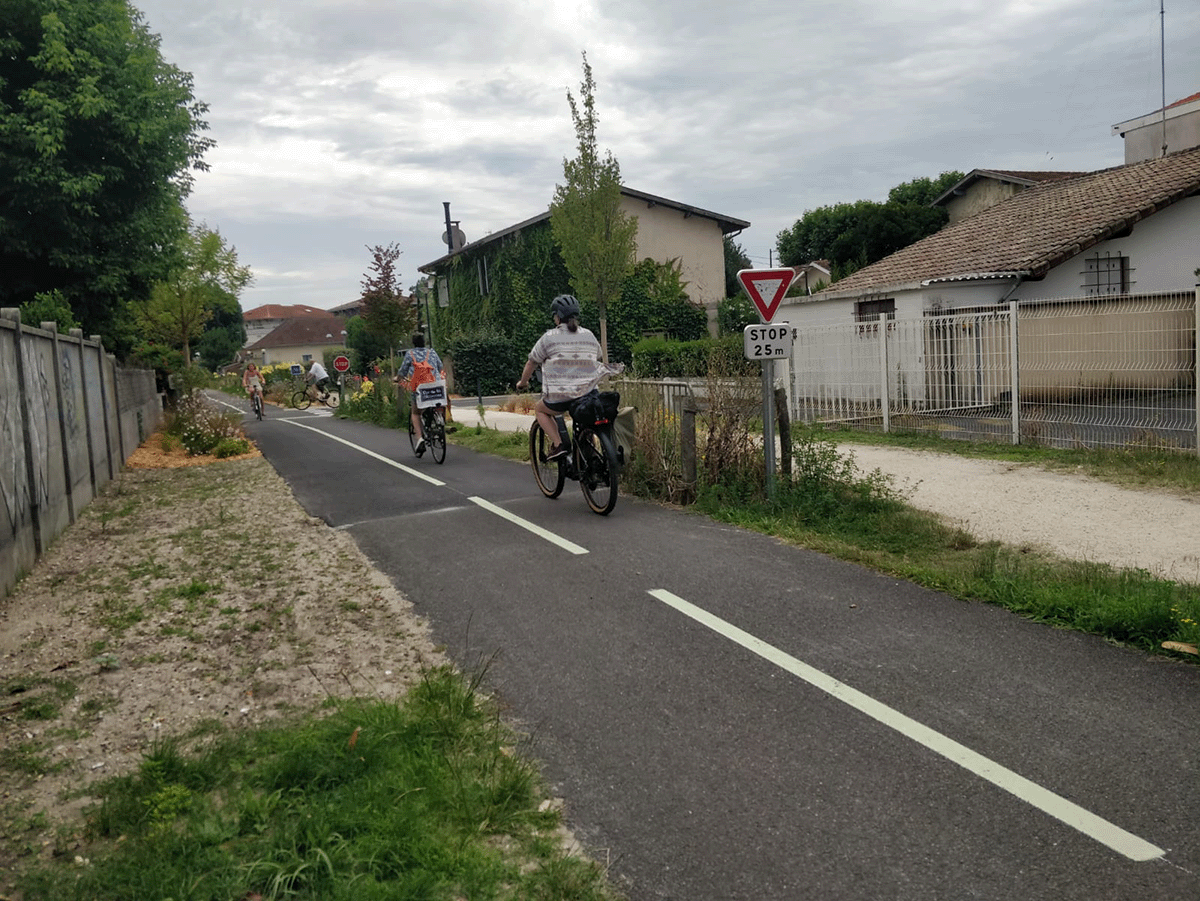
{"type": "Point", "coordinates": [768, 388]}
{"type": "Point", "coordinates": [766, 287]}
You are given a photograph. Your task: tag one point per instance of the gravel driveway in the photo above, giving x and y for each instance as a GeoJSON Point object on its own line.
{"type": "Point", "coordinates": [1072, 515]}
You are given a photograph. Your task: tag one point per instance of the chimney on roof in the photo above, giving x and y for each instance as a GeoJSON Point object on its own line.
{"type": "Point", "coordinates": [1178, 126]}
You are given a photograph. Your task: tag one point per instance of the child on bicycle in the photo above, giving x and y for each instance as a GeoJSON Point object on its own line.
{"type": "Point", "coordinates": [252, 381]}
{"type": "Point", "coordinates": [420, 366]}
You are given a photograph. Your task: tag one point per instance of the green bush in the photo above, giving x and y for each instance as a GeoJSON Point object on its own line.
{"type": "Point", "coordinates": [231, 447]}
{"type": "Point", "coordinates": [198, 426]}
{"type": "Point", "coordinates": [376, 401]}
{"type": "Point", "coordinates": [657, 358]}
{"type": "Point", "coordinates": [486, 363]}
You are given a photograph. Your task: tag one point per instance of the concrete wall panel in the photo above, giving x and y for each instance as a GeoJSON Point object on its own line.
{"type": "Point", "coordinates": [41, 397]}
{"type": "Point", "coordinates": [95, 415]}
{"type": "Point", "coordinates": [69, 417]}
{"type": "Point", "coordinates": [18, 548]}
{"type": "Point", "coordinates": [73, 421]}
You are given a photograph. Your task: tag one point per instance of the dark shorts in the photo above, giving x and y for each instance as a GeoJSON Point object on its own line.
{"type": "Point", "coordinates": [559, 406]}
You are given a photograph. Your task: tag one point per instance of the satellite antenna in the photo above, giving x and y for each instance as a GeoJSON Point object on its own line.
{"type": "Point", "coordinates": [459, 238]}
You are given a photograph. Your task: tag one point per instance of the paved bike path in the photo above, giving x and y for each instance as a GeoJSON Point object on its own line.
{"type": "Point", "coordinates": [706, 770]}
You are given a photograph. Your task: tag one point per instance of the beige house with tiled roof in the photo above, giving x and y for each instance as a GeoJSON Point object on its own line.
{"type": "Point", "coordinates": [298, 340]}
{"type": "Point", "coordinates": [261, 321]}
{"type": "Point", "coordinates": [982, 188]}
{"type": "Point", "coordinates": [1129, 229]}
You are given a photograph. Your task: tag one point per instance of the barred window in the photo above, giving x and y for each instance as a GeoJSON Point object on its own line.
{"type": "Point", "coordinates": [869, 310]}
{"type": "Point", "coordinates": [1107, 274]}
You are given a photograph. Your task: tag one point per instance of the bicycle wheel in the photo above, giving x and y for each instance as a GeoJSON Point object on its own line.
{"type": "Point", "coordinates": [333, 400]}
{"type": "Point", "coordinates": [412, 434]}
{"type": "Point", "coordinates": [549, 475]}
{"type": "Point", "coordinates": [598, 458]}
{"type": "Point", "coordinates": [435, 434]}
{"type": "Point", "coordinates": [301, 400]}
{"type": "Point", "coordinates": [258, 405]}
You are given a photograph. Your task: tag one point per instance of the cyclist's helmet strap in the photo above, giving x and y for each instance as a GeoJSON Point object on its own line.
{"type": "Point", "coordinates": [564, 306]}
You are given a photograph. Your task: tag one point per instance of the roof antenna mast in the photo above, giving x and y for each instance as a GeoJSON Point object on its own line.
{"type": "Point", "coordinates": [1162, 42]}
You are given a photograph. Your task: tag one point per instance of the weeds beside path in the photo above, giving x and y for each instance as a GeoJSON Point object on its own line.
{"type": "Point", "coordinates": [172, 654]}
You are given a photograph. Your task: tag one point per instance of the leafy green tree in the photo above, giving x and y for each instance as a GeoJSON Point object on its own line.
{"type": "Point", "coordinates": [853, 235]}
{"type": "Point", "coordinates": [736, 312]}
{"type": "Point", "coordinates": [388, 314]}
{"type": "Point", "coordinates": [207, 273]}
{"type": "Point", "coordinates": [596, 238]}
{"type": "Point", "coordinates": [735, 261]}
{"type": "Point", "coordinates": [49, 306]}
{"type": "Point", "coordinates": [98, 140]}
{"type": "Point", "coordinates": [224, 333]}
{"type": "Point", "coordinates": [365, 346]}
{"type": "Point", "coordinates": [924, 191]}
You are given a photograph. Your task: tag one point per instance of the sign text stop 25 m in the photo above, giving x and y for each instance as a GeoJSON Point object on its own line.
{"type": "Point", "coordinates": [768, 342]}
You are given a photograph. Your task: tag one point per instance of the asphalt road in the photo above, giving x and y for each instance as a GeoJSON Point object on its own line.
{"type": "Point", "coordinates": [729, 717]}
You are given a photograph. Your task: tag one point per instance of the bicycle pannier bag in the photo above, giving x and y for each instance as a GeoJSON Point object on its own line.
{"type": "Point", "coordinates": [596, 408]}
{"type": "Point", "coordinates": [431, 394]}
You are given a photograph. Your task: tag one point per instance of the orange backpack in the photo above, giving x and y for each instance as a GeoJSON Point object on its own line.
{"type": "Point", "coordinates": [422, 373]}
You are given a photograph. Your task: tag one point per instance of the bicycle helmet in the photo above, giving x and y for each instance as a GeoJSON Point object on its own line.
{"type": "Point", "coordinates": [564, 307]}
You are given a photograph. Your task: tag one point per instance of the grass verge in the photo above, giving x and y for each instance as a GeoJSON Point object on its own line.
{"type": "Point", "coordinates": [482, 438]}
{"type": "Point", "coordinates": [420, 799]}
{"type": "Point", "coordinates": [833, 507]}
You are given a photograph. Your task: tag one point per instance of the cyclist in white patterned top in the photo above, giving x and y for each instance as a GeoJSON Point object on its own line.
{"type": "Point", "coordinates": [570, 359]}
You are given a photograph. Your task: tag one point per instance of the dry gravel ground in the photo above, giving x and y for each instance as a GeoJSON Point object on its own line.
{"type": "Point", "coordinates": [1073, 516]}
{"type": "Point", "coordinates": [182, 597]}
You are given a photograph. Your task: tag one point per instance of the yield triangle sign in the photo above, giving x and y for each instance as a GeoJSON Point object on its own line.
{"type": "Point", "coordinates": [766, 288]}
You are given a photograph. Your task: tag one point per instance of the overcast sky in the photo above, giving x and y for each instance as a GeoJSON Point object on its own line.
{"type": "Point", "coordinates": [343, 124]}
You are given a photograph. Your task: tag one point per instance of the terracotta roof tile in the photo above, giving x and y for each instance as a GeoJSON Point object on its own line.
{"type": "Point", "coordinates": [1037, 228]}
{"type": "Point", "coordinates": [282, 311]}
{"type": "Point", "coordinates": [1033, 175]}
{"type": "Point", "coordinates": [1183, 101]}
{"type": "Point", "coordinates": [297, 332]}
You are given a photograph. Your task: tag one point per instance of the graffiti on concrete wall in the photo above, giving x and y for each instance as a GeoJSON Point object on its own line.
{"type": "Point", "coordinates": [71, 414]}
{"type": "Point", "coordinates": [39, 387]}
{"type": "Point", "coordinates": [13, 479]}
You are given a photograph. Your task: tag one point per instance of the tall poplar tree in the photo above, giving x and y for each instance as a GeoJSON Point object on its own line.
{"type": "Point", "coordinates": [596, 238]}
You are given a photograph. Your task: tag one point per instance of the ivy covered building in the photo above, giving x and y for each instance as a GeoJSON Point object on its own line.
{"type": "Point", "coordinates": [500, 286]}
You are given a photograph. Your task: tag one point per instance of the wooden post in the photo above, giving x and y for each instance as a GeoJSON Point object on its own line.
{"type": "Point", "coordinates": [687, 434]}
{"type": "Point", "coordinates": [785, 432]}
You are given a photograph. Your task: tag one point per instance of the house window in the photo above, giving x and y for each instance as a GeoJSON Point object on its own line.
{"type": "Point", "coordinates": [869, 310]}
{"type": "Point", "coordinates": [481, 269]}
{"type": "Point", "coordinates": [1107, 274]}
{"type": "Point", "coordinates": [307, 358]}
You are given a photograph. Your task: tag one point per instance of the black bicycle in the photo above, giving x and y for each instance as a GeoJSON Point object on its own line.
{"type": "Point", "coordinates": [306, 396]}
{"type": "Point", "coordinates": [594, 460]}
{"type": "Point", "coordinates": [433, 423]}
{"type": "Point", "coordinates": [256, 402]}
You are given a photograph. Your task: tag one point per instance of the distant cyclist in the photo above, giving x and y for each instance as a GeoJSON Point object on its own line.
{"type": "Point", "coordinates": [420, 366]}
{"type": "Point", "coordinates": [252, 381]}
{"type": "Point", "coordinates": [570, 359]}
{"type": "Point", "coordinates": [318, 378]}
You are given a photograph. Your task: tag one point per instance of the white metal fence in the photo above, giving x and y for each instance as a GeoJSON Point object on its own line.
{"type": "Point", "coordinates": [1073, 372]}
